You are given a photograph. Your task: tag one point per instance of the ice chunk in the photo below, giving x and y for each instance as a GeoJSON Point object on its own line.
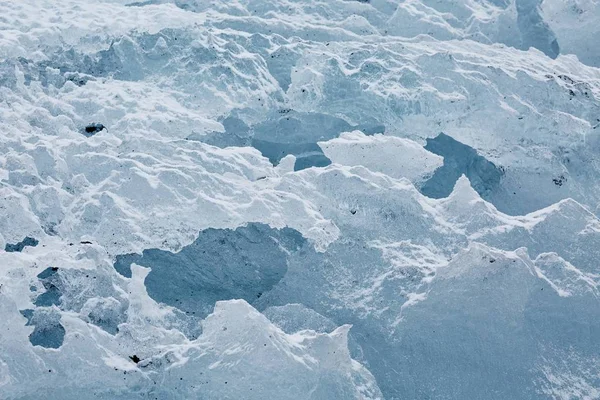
{"type": "Point", "coordinates": [488, 305]}
{"type": "Point", "coordinates": [393, 156]}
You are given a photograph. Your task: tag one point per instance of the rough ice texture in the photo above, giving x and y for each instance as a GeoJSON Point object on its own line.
{"type": "Point", "coordinates": [383, 199]}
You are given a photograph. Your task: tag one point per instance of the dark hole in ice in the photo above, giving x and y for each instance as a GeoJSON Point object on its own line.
{"type": "Point", "coordinates": [93, 128]}
{"type": "Point", "coordinates": [135, 358]}
{"type": "Point", "coordinates": [18, 247]}
{"type": "Point", "coordinates": [460, 159]}
{"type": "Point", "coordinates": [221, 264]}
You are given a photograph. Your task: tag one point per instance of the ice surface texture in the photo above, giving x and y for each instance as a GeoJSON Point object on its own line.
{"type": "Point", "coordinates": [299, 199]}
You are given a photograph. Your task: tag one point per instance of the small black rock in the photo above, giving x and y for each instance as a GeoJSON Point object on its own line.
{"type": "Point", "coordinates": [559, 181]}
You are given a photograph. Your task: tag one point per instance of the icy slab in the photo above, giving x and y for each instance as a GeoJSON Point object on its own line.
{"type": "Point", "coordinates": [240, 351]}
{"type": "Point", "coordinates": [403, 267]}
{"type": "Point", "coordinates": [66, 348]}
{"type": "Point", "coordinates": [575, 23]}
{"type": "Point", "coordinates": [505, 298]}
{"type": "Point", "coordinates": [405, 264]}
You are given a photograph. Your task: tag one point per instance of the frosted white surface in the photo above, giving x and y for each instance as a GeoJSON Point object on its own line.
{"type": "Point", "coordinates": [300, 199]}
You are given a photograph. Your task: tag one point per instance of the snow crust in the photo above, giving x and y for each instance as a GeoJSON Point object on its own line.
{"type": "Point", "coordinates": [301, 199]}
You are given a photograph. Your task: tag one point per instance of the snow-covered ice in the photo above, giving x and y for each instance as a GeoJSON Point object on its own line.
{"type": "Point", "coordinates": [299, 199]}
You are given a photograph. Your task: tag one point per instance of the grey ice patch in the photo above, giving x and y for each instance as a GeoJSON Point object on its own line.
{"type": "Point", "coordinates": [51, 281]}
{"type": "Point", "coordinates": [48, 331]}
{"type": "Point", "coordinates": [459, 159]}
{"type": "Point", "coordinates": [535, 32]}
{"type": "Point", "coordinates": [289, 132]}
{"type": "Point", "coordinates": [18, 247]}
{"type": "Point", "coordinates": [221, 264]}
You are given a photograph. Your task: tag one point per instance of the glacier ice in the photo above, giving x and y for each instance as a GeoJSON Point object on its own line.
{"type": "Point", "coordinates": [301, 199]}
